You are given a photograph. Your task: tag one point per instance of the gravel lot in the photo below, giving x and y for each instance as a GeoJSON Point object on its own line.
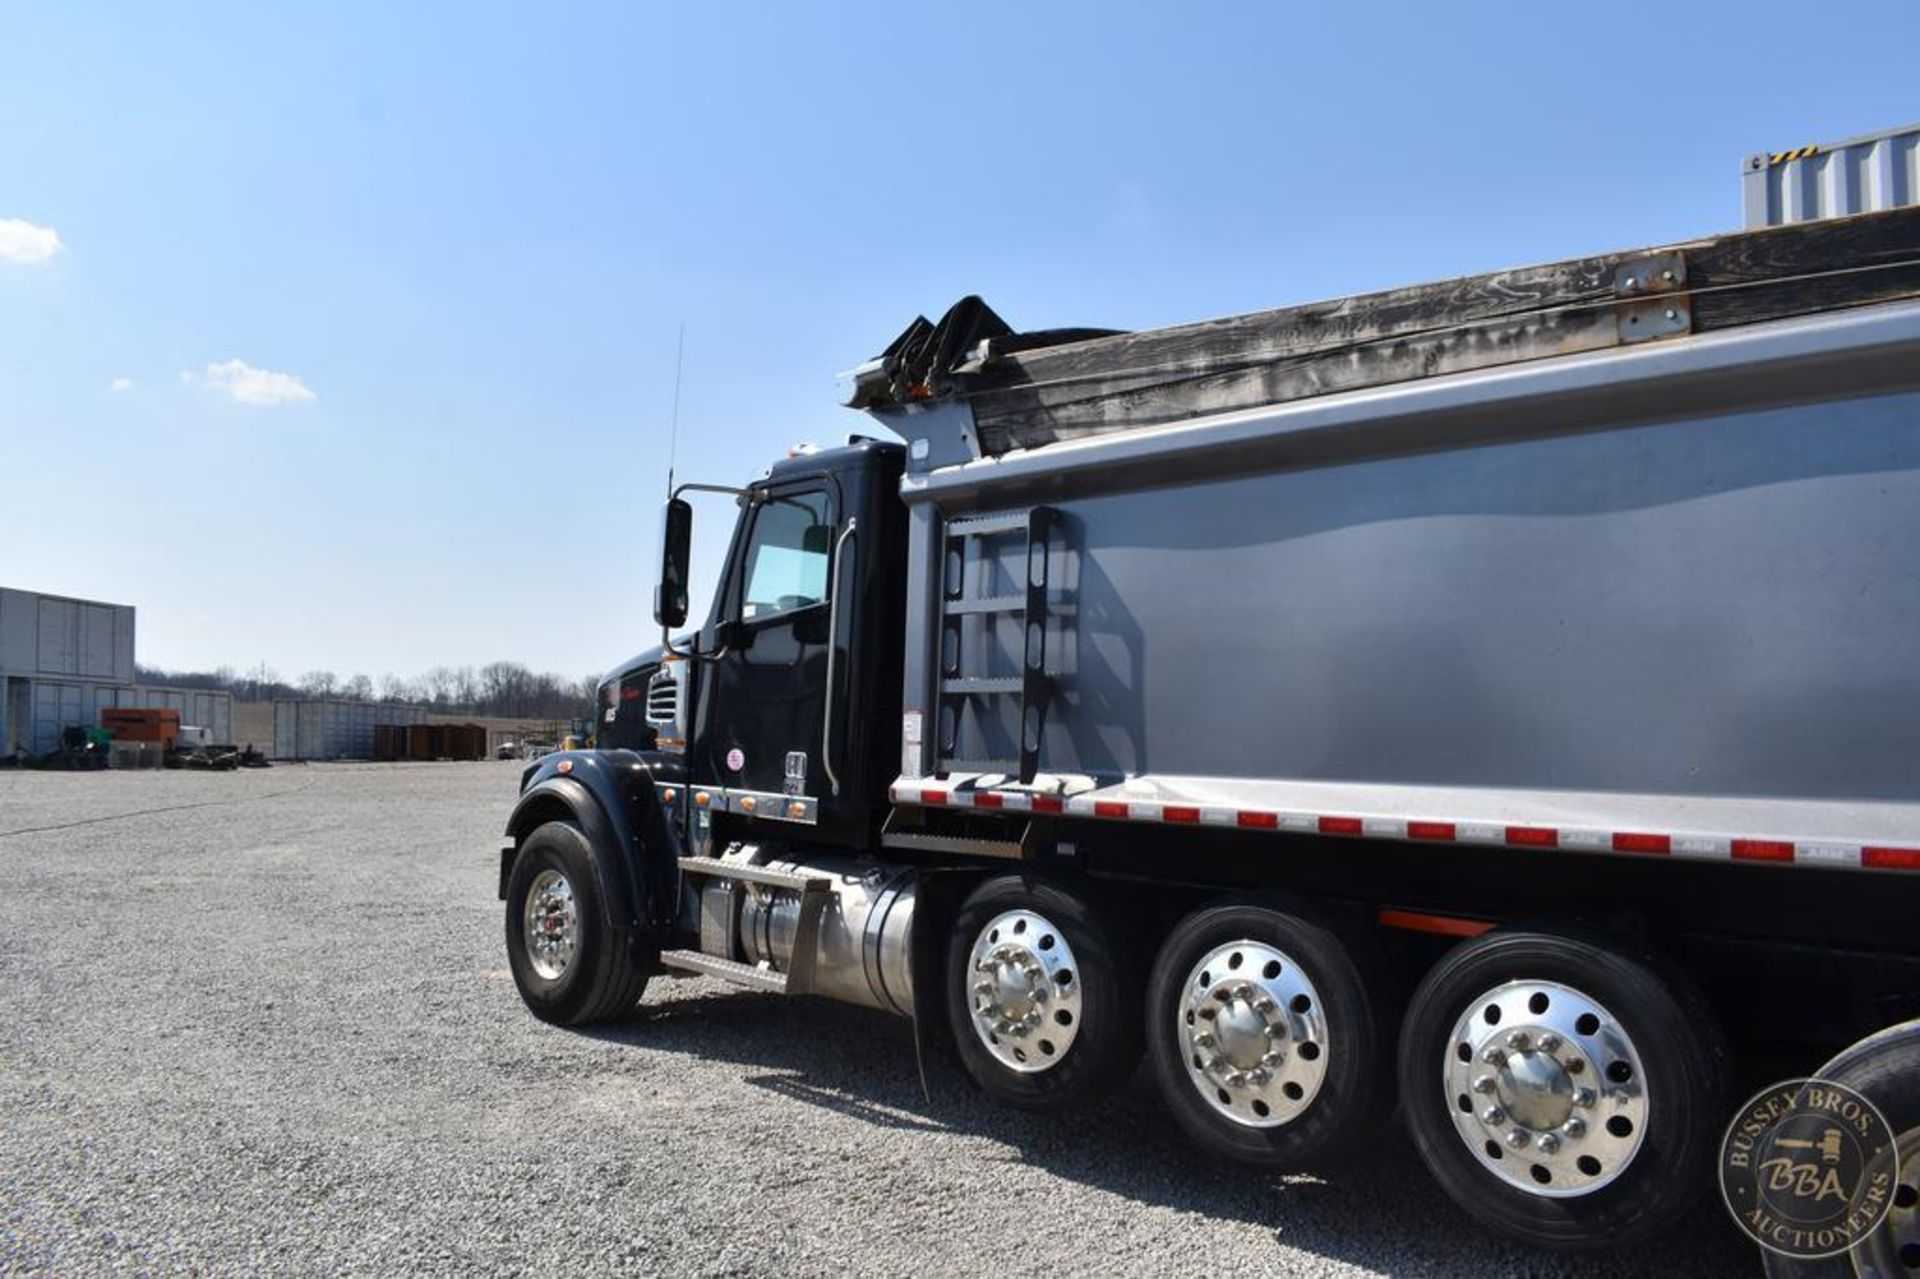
{"type": "Point", "coordinates": [262, 1021]}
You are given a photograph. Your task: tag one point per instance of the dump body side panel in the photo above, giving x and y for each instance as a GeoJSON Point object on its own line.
{"type": "Point", "coordinates": [1706, 604]}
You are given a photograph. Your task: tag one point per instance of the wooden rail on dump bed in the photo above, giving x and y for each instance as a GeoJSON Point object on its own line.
{"type": "Point", "coordinates": [1035, 389]}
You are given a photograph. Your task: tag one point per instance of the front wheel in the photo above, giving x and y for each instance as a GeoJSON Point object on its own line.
{"type": "Point", "coordinates": [1562, 1091]}
{"type": "Point", "coordinates": [1043, 1004]}
{"type": "Point", "coordinates": [572, 966]}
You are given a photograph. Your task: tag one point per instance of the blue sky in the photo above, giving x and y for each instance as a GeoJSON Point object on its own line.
{"type": "Point", "coordinates": [390, 292]}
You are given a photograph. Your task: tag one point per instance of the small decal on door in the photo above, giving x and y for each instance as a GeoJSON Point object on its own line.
{"type": "Point", "coordinates": [796, 772]}
{"type": "Point", "coordinates": [736, 759]}
{"type": "Point", "coordinates": [910, 728]}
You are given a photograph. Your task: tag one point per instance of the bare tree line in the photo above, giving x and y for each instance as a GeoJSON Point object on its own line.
{"type": "Point", "coordinates": [505, 689]}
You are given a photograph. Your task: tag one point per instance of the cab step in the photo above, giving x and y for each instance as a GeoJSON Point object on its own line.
{"type": "Point", "coordinates": [729, 970]}
{"type": "Point", "coordinates": [815, 891]}
{"type": "Point", "coordinates": [714, 868]}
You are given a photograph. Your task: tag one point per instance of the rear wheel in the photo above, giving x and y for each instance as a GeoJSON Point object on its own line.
{"type": "Point", "coordinates": [1043, 1011]}
{"type": "Point", "coordinates": [1267, 1035]}
{"type": "Point", "coordinates": [1885, 1069]}
{"type": "Point", "coordinates": [570, 964]}
{"type": "Point", "coordinates": [1562, 1091]}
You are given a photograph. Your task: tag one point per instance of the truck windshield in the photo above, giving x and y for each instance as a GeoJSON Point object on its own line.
{"type": "Point", "coordinates": [787, 557]}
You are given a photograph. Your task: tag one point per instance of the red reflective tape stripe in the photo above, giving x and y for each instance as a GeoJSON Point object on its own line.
{"type": "Point", "coordinates": [1890, 858]}
{"type": "Point", "coordinates": [1339, 825]}
{"type": "Point", "coordinates": [1629, 842]}
{"type": "Point", "coordinates": [933, 797]}
{"type": "Point", "coordinates": [1172, 814]}
{"type": "Point", "coordinates": [1762, 850]}
{"type": "Point", "coordinates": [1443, 925]}
{"type": "Point", "coordinates": [1047, 804]}
{"type": "Point", "coordinates": [1109, 808]}
{"type": "Point", "coordinates": [1533, 836]}
{"type": "Point", "coordinates": [1430, 830]}
{"type": "Point", "coordinates": [987, 799]}
{"type": "Point", "coordinates": [1258, 821]}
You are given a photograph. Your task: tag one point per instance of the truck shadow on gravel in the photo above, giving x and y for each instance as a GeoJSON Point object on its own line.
{"type": "Point", "coordinates": [1380, 1211]}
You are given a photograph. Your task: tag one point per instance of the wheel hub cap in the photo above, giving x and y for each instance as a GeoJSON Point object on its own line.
{"type": "Point", "coordinates": [1025, 996]}
{"type": "Point", "coordinates": [1535, 1089]}
{"type": "Point", "coordinates": [551, 924]}
{"type": "Point", "coordinates": [1254, 1034]}
{"type": "Point", "coordinates": [1546, 1088]}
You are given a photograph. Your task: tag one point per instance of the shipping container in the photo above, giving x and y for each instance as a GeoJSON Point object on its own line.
{"type": "Point", "coordinates": [1867, 174]}
{"type": "Point", "coordinates": [36, 710]}
{"type": "Point", "coordinates": [52, 635]}
{"type": "Point", "coordinates": [333, 728]}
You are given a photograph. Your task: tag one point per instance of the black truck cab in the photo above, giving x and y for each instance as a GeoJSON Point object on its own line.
{"type": "Point", "coordinates": [792, 687]}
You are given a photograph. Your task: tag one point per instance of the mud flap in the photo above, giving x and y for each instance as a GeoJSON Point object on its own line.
{"type": "Point", "coordinates": [937, 895]}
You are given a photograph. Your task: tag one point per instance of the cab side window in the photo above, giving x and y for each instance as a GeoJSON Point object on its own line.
{"type": "Point", "coordinates": [788, 555]}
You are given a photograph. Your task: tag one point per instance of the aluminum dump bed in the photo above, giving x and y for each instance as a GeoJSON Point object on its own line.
{"type": "Point", "coordinates": [1614, 555]}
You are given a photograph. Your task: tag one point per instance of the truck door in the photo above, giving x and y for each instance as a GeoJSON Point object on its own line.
{"type": "Point", "coordinates": [766, 704]}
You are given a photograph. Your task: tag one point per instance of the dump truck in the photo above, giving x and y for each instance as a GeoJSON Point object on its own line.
{"type": "Point", "coordinates": [1490, 705]}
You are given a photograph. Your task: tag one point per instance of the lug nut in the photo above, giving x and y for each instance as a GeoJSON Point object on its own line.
{"type": "Point", "coordinates": [1264, 1004]}
{"type": "Point", "coordinates": [1574, 1129]}
{"type": "Point", "coordinates": [1273, 1058]}
{"type": "Point", "coordinates": [1519, 1041]}
{"type": "Point", "coordinates": [1549, 1043]}
{"type": "Point", "coordinates": [1518, 1138]}
{"type": "Point", "coordinates": [1485, 1084]}
{"type": "Point", "coordinates": [1203, 1040]}
{"type": "Point", "coordinates": [1494, 1055]}
{"type": "Point", "coordinates": [1584, 1098]}
{"type": "Point", "coordinates": [1493, 1115]}
{"type": "Point", "coordinates": [1549, 1143]}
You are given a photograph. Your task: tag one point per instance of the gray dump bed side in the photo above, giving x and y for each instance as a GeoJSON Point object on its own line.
{"type": "Point", "coordinates": [1666, 590]}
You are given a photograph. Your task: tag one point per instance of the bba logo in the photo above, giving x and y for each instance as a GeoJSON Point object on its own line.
{"type": "Point", "coordinates": [1808, 1168]}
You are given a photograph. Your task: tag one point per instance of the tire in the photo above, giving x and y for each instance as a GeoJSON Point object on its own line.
{"type": "Point", "coordinates": [1271, 1035]}
{"type": "Point", "coordinates": [1885, 1069]}
{"type": "Point", "coordinates": [1561, 1091]}
{"type": "Point", "coordinates": [596, 979]}
{"type": "Point", "coordinates": [1058, 1023]}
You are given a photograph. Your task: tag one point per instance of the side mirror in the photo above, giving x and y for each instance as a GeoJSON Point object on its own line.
{"type": "Point", "coordinates": [676, 539]}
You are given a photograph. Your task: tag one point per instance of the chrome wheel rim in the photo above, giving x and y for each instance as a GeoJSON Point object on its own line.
{"type": "Point", "coordinates": [1254, 1034]}
{"type": "Point", "coordinates": [1024, 991]}
{"type": "Point", "coordinates": [1894, 1248]}
{"type": "Point", "coordinates": [1546, 1088]}
{"type": "Point", "coordinates": [551, 924]}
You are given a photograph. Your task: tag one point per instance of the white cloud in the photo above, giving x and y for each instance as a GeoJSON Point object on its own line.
{"type": "Point", "coordinates": [22, 241]}
{"type": "Point", "coordinates": [120, 384]}
{"type": "Point", "coordinates": [248, 385]}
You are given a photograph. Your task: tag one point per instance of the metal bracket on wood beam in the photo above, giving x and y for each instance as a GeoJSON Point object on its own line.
{"type": "Point", "coordinates": [1653, 298]}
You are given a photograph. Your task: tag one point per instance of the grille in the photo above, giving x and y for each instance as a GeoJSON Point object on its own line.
{"type": "Point", "coordinates": [663, 698]}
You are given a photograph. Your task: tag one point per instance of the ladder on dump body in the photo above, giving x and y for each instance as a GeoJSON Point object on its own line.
{"type": "Point", "coordinates": [815, 892]}
{"type": "Point", "coordinates": [958, 692]}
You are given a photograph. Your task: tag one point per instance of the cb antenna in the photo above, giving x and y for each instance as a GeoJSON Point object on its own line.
{"type": "Point", "coordinates": [673, 431]}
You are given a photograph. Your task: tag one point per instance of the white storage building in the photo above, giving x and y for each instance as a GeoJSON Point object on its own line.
{"type": "Point", "coordinates": [63, 661]}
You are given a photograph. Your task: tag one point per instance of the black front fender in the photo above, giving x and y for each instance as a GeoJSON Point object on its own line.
{"type": "Point", "coordinates": [610, 795]}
